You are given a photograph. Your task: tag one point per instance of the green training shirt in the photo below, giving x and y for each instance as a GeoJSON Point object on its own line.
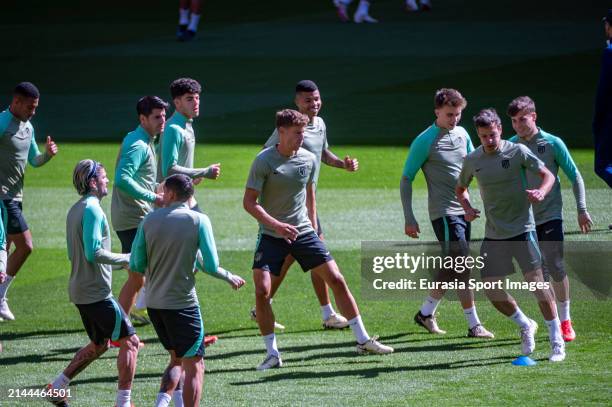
{"type": "Point", "coordinates": [177, 149]}
{"type": "Point", "coordinates": [281, 182]}
{"type": "Point", "coordinates": [89, 244]}
{"type": "Point", "coordinates": [502, 182]}
{"type": "Point", "coordinates": [439, 153]}
{"type": "Point", "coordinates": [135, 176]}
{"type": "Point", "coordinates": [17, 148]}
{"type": "Point", "coordinates": [165, 250]}
{"type": "Point", "coordinates": [315, 141]}
{"type": "Point", "coordinates": [553, 152]}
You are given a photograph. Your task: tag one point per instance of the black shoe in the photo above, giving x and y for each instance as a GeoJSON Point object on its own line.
{"type": "Point", "coordinates": [180, 31]}
{"type": "Point", "coordinates": [187, 36]}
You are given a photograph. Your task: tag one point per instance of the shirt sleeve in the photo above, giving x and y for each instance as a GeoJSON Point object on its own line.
{"type": "Point", "coordinates": [529, 161]}
{"type": "Point", "coordinates": [273, 139]}
{"type": "Point", "coordinates": [257, 174]}
{"type": "Point", "coordinates": [469, 146]}
{"type": "Point", "coordinates": [172, 141]}
{"type": "Point", "coordinates": [35, 157]}
{"type": "Point", "coordinates": [565, 161]}
{"type": "Point", "coordinates": [138, 259]}
{"type": "Point", "coordinates": [93, 223]}
{"type": "Point", "coordinates": [131, 159]}
{"type": "Point", "coordinates": [208, 249]}
{"type": "Point", "coordinates": [418, 154]}
{"type": "Point", "coordinates": [467, 173]}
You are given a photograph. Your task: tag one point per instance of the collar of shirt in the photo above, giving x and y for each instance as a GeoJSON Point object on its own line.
{"type": "Point", "coordinates": [178, 204]}
{"type": "Point", "coordinates": [143, 135]}
{"type": "Point", "coordinates": [180, 119]}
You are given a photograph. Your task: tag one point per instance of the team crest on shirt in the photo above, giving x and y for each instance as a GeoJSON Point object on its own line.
{"type": "Point", "coordinates": [541, 148]}
{"type": "Point", "coordinates": [505, 163]}
{"type": "Point", "coordinates": [302, 171]}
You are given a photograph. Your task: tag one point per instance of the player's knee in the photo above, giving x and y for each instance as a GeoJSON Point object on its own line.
{"type": "Point", "coordinates": [262, 291]}
{"type": "Point", "coordinates": [336, 280]}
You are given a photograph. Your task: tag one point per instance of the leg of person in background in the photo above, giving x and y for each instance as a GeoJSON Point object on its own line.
{"type": "Point", "coordinates": [195, 10]}
{"type": "Point", "coordinates": [341, 9]}
{"type": "Point", "coordinates": [362, 15]}
{"type": "Point", "coordinates": [183, 18]}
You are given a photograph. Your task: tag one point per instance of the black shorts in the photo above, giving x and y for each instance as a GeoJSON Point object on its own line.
{"type": "Point", "coordinates": [15, 222]}
{"type": "Point", "coordinates": [453, 233]}
{"type": "Point", "coordinates": [308, 249]}
{"type": "Point", "coordinates": [498, 255]}
{"type": "Point", "coordinates": [105, 320]}
{"type": "Point", "coordinates": [126, 237]}
{"type": "Point", "coordinates": [180, 330]}
{"type": "Point", "coordinates": [550, 238]}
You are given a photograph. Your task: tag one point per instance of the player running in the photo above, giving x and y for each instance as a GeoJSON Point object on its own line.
{"type": "Point", "coordinates": [134, 194]}
{"type": "Point", "coordinates": [499, 167]}
{"type": "Point", "coordinates": [439, 152]}
{"type": "Point", "coordinates": [89, 251]}
{"type": "Point", "coordinates": [280, 194]}
{"type": "Point", "coordinates": [17, 148]}
{"type": "Point", "coordinates": [548, 214]}
{"type": "Point", "coordinates": [308, 101]}
{"type": "Point", "coordinates": [165, 251]}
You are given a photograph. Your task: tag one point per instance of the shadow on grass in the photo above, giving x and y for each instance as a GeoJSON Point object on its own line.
{"type": "Point", "coordinates": [20, 335]}
{"type": "Point", "coordinates": [375, 371]}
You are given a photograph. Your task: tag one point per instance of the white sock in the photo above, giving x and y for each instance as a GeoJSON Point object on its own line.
{"type": "Point", "coordinates": [563, 307]}
{"type": "Point", "coordinates": [520, 319]}
{"type": "Point", "coordinates": [270, 302]}
{"type": "Point", "coordinates": [163, 400]}
{"type": "Point", "coordinates": [429, 306]}
{"type": "Point", "coordinates": [412, 4]}
{"type": "Point", "coordinates": [471, 316]}
{"type": "Point", "coordinates": [359, 330]}
{"type": "Point", "coordinates": [61, 382]}
{"type": "Point", "coordinates": [270, 341]}
{"type": "Point", "coordinates": [327, 311]}
{"type": "Point", "coordinates": [554, 330]}
{"type": "Point", "coordinates": [363, 8]}
{"type": "Point", "coordinates": [5, 286]}
{"type": "Point", "coordinates": [177, 397]}
{"type": "Point", "coordinates": [123, 398]}
{"type": "Point", "coordinates": [141, 300]}
{"type": "Point", "coordinates": [183, 16]}
{"type": "Point", "coordinates": [193, 22]}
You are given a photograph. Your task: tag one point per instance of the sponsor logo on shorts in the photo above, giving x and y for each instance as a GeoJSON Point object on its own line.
{"type": "Point", "coordinates": [258, 256]}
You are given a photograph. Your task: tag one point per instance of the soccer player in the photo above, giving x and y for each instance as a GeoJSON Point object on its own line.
{"type": "Point", "coordinates": [439, 152]}
{"type": "Point", "coordinates": [134, 194]}
{"type": "Point", "coordinates": [165, 251]}
{"type": "Point", "coordinates": [280, 194]}
{"type": "Point", "coordinates": [602, 119]}
{"type": "Point", "coordinates": [499, 167]}
{"type": "Point", "coordinates": [362, 15]}
{"type": "Point", "coordinates": [17, 148]}
{"type": "Point", "coordinates": [548, 214]}
{"type": "Point", "coordinates": [308, 100]}
{"type": "Point", "coordinates": [177, 142]}
{"type": "Point", "coordinates": [412, 5]}
{"type": "Point", "coordinates": [89, 251]}
{"type": "Point", "coordinates": [2, 243]}
{"type": "Point", "coordinates": [190, 12]}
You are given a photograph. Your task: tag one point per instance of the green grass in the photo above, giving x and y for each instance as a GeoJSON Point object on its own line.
{"type": "Point", "coordinates": [320, 366]}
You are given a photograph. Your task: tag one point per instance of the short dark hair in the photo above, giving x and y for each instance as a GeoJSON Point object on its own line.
{"type": "Point", "coordinates": [146, 105]}
{"type": "Point", "coordinates": [181, 185]}
{"type": "Point", "coordinates": [184, 85]}
{"type": "Point", "coordinates": [290, 118]}
{"type": "Point", "coordinates": [486, 118]}
{"type": "Point", "coordinates": [27, 89]}
{"type": "Point", "coordinates": [521, 103]}
{"type": "Point", "coordinates": [449, 97]}
{"type": "Point", "coordinates": [306, 86]}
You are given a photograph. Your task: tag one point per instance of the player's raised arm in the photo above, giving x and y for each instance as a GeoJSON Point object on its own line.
{"type": "Point", "coordinates": [348, 163]}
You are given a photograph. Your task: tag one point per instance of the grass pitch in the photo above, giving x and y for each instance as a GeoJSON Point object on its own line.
{"type": "Point", "coordinates": [321, 367]}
